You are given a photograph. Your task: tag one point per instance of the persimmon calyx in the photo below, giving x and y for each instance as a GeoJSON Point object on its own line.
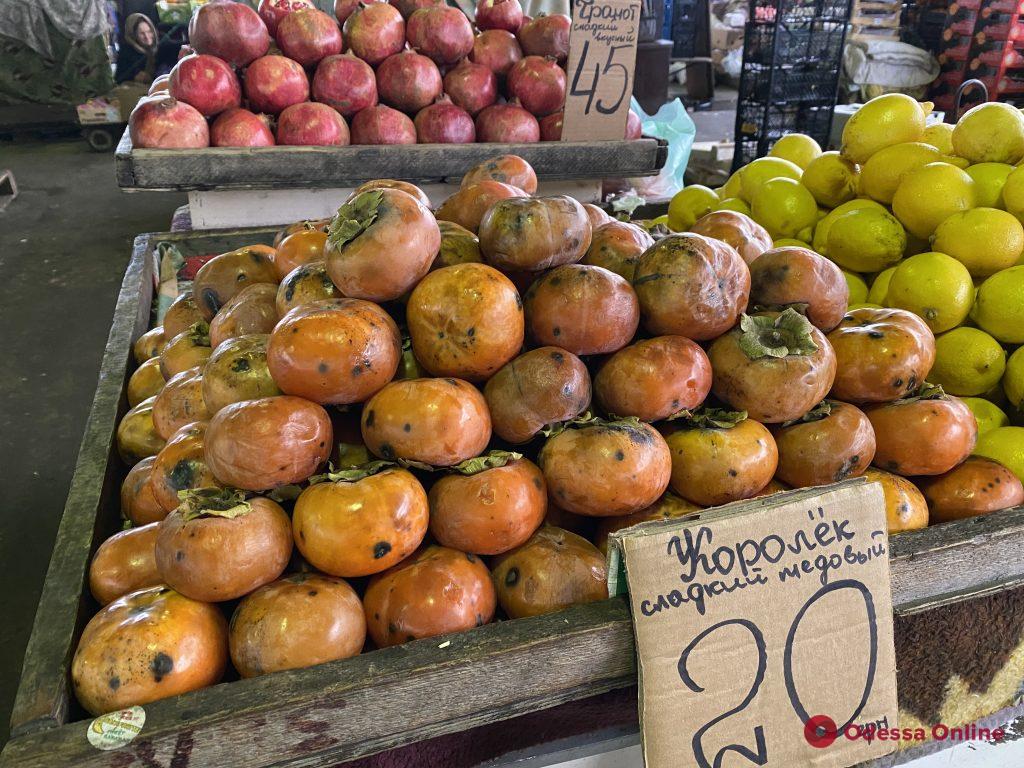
{"type": "Point", "coordinates": [354, 218]}
{"type": "Point", "coordinates": [789, 333]}
{"type": "Point", "coordinates": [587, 419]}
{"type": "Point", "coordinates": [713, 418]}
{"type": "Point", "coordinates": [228, 503]}
{"type": "Point", "coordinates": [926, 392]}
{"type": "Point", "coordinates": [817, 413]}
{"type": "Point", "coordinates": [490, 460]}
{"type": "Point", "coordinates": [199, 333]}
{"type": "Point", "coordinates": [351, 474]}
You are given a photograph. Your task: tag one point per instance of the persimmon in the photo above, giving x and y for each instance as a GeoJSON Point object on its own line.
{"type": "Point", "coordinates": [975, 487]}
{"type": "Point", "coordinates": [262, 444]}
{"type": "Point", "coordinates": [299, 226]}
{"type": "Point", "coordinates": [149, 344]}
{"type": "Point", "coordinates": [881, 355]}
{"type": "Point", "coordinates": [148, 645]}
{"type": "Point", "coordinates": [237, 371]}
{"type": "Point", "coordinates": [402, 186]}
{"type": "Point", "coordinates": [775, 366]}
{"type": "Point", "coordinates": [799, 277]}
{"type": "Point", "coordinates": [181, 466]}
{"type": "Point", "coordinates": [458, 246]}
{"type": "Point", "coordinates": [137, 437]}
{"type": "Point", "coordinates": [508, 169]}
{"type": "Point", "coordinates": [692, 286]}
{"type": "Point", "coordinates": [299, 249]}
{"type": "Point", "coordinates": [381, 244]}
{"type": "Point", "coordinates": [598, 216]}
{"type": "Point", "coordinates": [605, 468]}
{"type": "Point", "coordinates": [219, 546]}
{"type": "Point", "coordinates": [224, 276]}
{"type": "Point", "coordinates": [534, 233]}
{"type": "Point", "coordinates": [618, 246]}
{"type": "Point", "coordinates": [436, 421]}
{"type": "Point", "coordinates": [550, 572]}
{"type": "Point", "coordinates": [182, 313]}
{"type": "Point", "coordinates": [138, 504]}
{"type": "Point", "coordinates": [667, 507]}
{"type": "Point", "coordinates": [434, 592]}
{"type": "Point", "coordinates": [465, 321]}
{"type": "Point", "coordinates": [830, 443]}
{"type": "Point", "coordinates": [188, 349]}
{"type": "Point", "coordinates": [304, 285]}
{"type": "Point", "coordinates": [252, 310]}
{"type": "Point", "coordinates": [467, 206]}
{"type": "Point", "coordinates": [146, 381]}
{"type": "Point", "coordinates": [905, 506]}
{"type": "Point", "coordinates": [927, 434]}
{"type": "Point", "coordinates": [654, 379]}
{"type": "Point", "coordinates": [180, 402]}
{"type": "Point", "coordinates": [295, 622]}
{"type": "Point", "coordinates": [124, 563]}
{"type": "Point", "coordinates": [737, 229]}
{"type": "Point", "coordinates": [334, 351]}
{"type": "Point", "coordinates": [539, 388]}
{"type": "Point", "coordinates": [360, 521]}
{"type": "Point", "coordinates": [720, 456]}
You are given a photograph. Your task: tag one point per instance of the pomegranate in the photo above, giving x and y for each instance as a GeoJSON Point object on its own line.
{"type": "Point", "coordinates": [273, 83]}
{"type": "Point", "coordinates": [159, 85]}
{"type": "Point", "coordinates": [444, 123]}
{"type": "Point", "coordinates": [308, 36]}
{"type": "Point", "coordinates": [272, 11]}
{"type": "Point", "coordinates": [206, 83]}
{"type": "Point", "coordinates": [375, 32]}
{"type": "Point", "coordinates": [240, 128]}
{"type": "Point", "coordinates": [382, 125]}
{"type": "Point", "coordinates": [232, 31]}
{"type": "Point", "coordinates": [496, 49]}
{"type": "Point", "coordinates": [539, 84]}
{"type": "Point", "coordinates": [162, 122]}
{"type": "Point", "coordinates": [442, 33]}
{"type": "Point", "coordinates": [408, 7]}
{"type": "Point", "coordinates": [546, 35]}
{"type": "Point", "coordinates": [312, 124]}
{"type": "Point", "coordinates": [633, 127]}
{"type": "Point", "coordinates": [408, 81]}
{"type": "Point", "coordinates": [471, 86]}
{"type": "Point", "coordinates": [507, 123]}
{"type": "Point", "coordinates": [345, 8]}
{"type": "Point", "coordinates": [499, 14]}
{"type": "Point", "coordinates": [345, 83]}
{"type": "Point", "coordinates": [551, 126]}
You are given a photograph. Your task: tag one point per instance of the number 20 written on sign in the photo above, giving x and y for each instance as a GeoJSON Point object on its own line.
{"type": "Point", "coordinates": [759, 754]}
{"type": "Point", "coordinates": [599, 72]}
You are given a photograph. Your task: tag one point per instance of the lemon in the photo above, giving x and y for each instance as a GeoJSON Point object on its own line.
{"type": "Point", "coordinates": [758, 171]}
{"type": "Point", "coordinates": [999, 306]}
{"type": "Point", "coordinates": [989, 179]}
{"type": "Point", "coordinates": [934, 286]}
{"type": "Point", "coordinates": [784, 207]}
{"type": "Point", "coordinates": [990, 133]}
{"type": "Point", "coordinates": [1005, 445]}
{"type": "Point", "coordinates": [688, 205]}
{"type": "Point", "coordinates": [1013, 192]}
{"type": "Point", "coordinates": [929, 195]}
{"type": "Point", "coordinates": [798, 148]}
{"type": "Point", "coordinates": [940, 136]}
{"type": "Point", "coordinates": [732, 204]}
{"type": "Point", "coordinates": [820, 240]}
{"type": "Point", "coordinates": [790, 242]}
{"type": "Point", "coordinates": [985, 240]}
{"type": "Point", "coordinates": [866, 240]}
{"type": "Point", "coordinates": [1013, 380]}
{"type": "Point", "coordinates": [967, 362]}
{"type": "Point", "coordinates": [892, 118]}
{"type": "Point", "coordinates": [885, 170]}
{"type": "Point", "coordinates": [732, 186]}
{"type": "Point", "coordinates": [880, 286]}
{"type": "Point", "coordinates": [831, 178]}
{"type": "Point", "coordinates": [858, 289]}
{"type": "Point", "coordinates": [986, 413]}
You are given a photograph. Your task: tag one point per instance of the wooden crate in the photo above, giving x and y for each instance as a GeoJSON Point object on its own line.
{"type": "Point", "coordinates": [383, 699]}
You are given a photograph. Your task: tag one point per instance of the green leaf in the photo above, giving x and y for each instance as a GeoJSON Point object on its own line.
{"type": "Point", "coordinates": [199, 333]}
{"type": "Point", "coordinates": [788, 333]}
{"type": "Point", "coordinates": [354, 218]}
{"type": "Point", "coordinates": [288, 492]}
{"type": "Point", "coordinates": [817, 413]}
{"type": "Point", "coordinates": [490, 460]}
{"type": "Point", "coordinates": [927, 392]}
{"type": "Point", "coordinates": [212, 502]}
{"type": "Point", "coordinates": [352, 474]}
{"type": "Point", "coordinates": [713, 418]}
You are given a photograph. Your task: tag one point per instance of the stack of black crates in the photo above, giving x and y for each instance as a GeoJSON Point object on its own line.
{"type": "Point", "coordinates": [792, 54]}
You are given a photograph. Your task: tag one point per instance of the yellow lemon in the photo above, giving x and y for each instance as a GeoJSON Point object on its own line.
{"type": "Point", "coordinates": [784, 207]}
{"type": "Point", "coordinates": [798, 148]}
{"type": "Point", "coordinates": [929, 195]}
{"type": "Point", "coordinates": [989, 179]}
{"type": "Point", "coordinates": [967, 362]}
{"type": "Point", "coordinates": [1013, 192]}
{"type": "Point", "coordinates": [985, 240]}
{"type": "Point", "coordinates": [758, 171]}
{"type": "Point", "coordinates": [986, 413]}
{"type": "Point", "coordinates": [940, 136]}
{"type": "Point", "coordinates": [857, 287]}
{"type": "Point", "coordinates": [866, 240]}
{"type": "Point", "coordinates": [880, 286]}
{"type": "Point", "coordinates": [790, 242]}
{"type": "Point", "coordinates": [1013, 380]}
{"type": "Point", "coordinates": [990, 133]}
{"type": "Point", "coordinates": [831, 178]}
{"type": "Point", "coordinates": [820, 240]}
{"type": "Point", "coordinates": [999, 306]}
{"type": "Point", "coordinates": [688, 205]}
{"type": "Point", "coordinates": [732, 204]}
{"type": "Point", "coordinates": [892, 118]}
{"type": "Point", "coordinates": [1005, 445]}
{"type": "Point", "coordinates": [885, 170]}
{"type": "Point", "coordinates": [732, 186]}
{"type": "Point", "coordinates": [934, 286]}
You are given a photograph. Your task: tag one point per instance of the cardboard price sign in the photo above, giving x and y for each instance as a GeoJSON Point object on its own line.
{"type": "Point", "coordinates": [764, 631]}
{"type": "Point", "coordinates": [602, 60]}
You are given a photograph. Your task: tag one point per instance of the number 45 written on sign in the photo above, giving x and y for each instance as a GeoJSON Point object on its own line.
{"type": "Point", "coordinates": [600, 72]}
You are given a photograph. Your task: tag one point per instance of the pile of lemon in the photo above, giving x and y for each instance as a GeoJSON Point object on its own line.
{"type": "Point", "coordinates": [921, 217]}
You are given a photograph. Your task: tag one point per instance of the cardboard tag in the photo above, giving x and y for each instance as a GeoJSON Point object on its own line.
{"type": "Point", "coordinates": [764, 631]}
{"type": "Point", "coordinates": [599, 73]}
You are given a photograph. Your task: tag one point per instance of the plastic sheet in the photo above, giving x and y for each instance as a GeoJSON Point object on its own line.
{"type": "Point", "coordinates": [673, 124]}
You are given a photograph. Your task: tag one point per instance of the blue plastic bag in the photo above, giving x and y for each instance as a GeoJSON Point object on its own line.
{"type": "Point", "coordinates": [673, 124]}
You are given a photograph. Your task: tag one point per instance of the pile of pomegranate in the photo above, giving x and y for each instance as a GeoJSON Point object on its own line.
{"type": "Point", "coordinates": [398, 72]}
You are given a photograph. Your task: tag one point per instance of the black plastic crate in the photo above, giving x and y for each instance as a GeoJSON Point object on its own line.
{"type": "Point", "coordinates": [814, 43]}
{"type": "Point", "coordinates": [686, 28]}
{"type": "Point", "coordinates": [759, 126]}
{"type": "Point", "coordinates": [784, 86]}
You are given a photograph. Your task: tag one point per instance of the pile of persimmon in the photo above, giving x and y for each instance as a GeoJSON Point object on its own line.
{"type": "Point", "coordinates": [401, 423]}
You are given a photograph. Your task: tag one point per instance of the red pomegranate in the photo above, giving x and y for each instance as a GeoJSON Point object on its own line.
{"type": "Point", "coordinates": [499, 14]}
{"type": "Point", "coordinates": [206, 83]}
{"type": "Point", "coordinates": [345, 83]}
{"type": "Point", "coordinates": [539, 84]}
{"type": "Point", "coordinates": [272, 11]}
{"type": "Point", "coordinates": [273, 83]}
{"type": "Point", "coordinates": [312, 124]}
{"type": "Point", "coordinates": [308, 36]}
{"type": "Point", "coordinates": [441, 33]}
{"type": "Point", "coordinates": [471, 86]}
{"type": "Point", "coordinates": [241, 128]}
{"type": "Point", "coordinates": [551, 127]}
{"type": "Point", "coordinates": [374, 32]}
{"type": "Point", "coordinates": [496, 49]}
{"type": "Point", "coordinates": [382, 125]}
{"type": "Point", "coordinates": [507, 123]}
{"type": "Point", "coordinates": [408, 81]}
{"type": "Point", "coordinates": [444, 123]}
{"type": "Point", "coordinates": [345, 8]}
{"type": "Point", "coordinates": [546, 35]}
{"type": "Point", "coordinates": [633, 128]}
{"type": "Point", "coordinates": [231, 31]}
{"type": "Point", "coordinates": [408, 7]}
{"type": "Point", "coordinates": [162, 122]}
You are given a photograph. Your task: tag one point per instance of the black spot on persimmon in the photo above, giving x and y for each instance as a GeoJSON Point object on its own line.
{"type": "Point", "coordinates": [380, 549]}
{"type": "Point", "coordinates": [357, 370]}
{"type": "Point", "coordinates": [161, 666]}
{"type": "Point", "coordinates": [179, 555]}
{"type": "Point", "coordinates": [732, 472]}
{"type": "Point", "coordinates": [114, 683]}
{"type": "Point", "coordinates": [387, 451]}
{"type": "Point", "coordinates": [240, 365]}
{"type": "Point", "coordinates": [407, 427]}
{"type": "Point", "coordinates": [471, 557]}
{"type": "Point", "coordinates": [876, 335]}
{"type": "Point", "coordinates": [558, 357]}
{"type": "Point", "coordinates": [323, 367]}
{"type": "Point", "coordinates": [312, 593]}
{"type": "Point", "coordinates": [512, 577]}
{"type": "Point", "coordinates": [620, 456]}
{"type": "Point", "coordinates": [369, 418]}
{"type": "Point", "coordinates": [182, 475]}
{"type": "Point", "coordinates": [556, 331]}
{"type": "Point", "coordinates": [537, 482]}
{"type": "Point", "coordinates": [471, 332]}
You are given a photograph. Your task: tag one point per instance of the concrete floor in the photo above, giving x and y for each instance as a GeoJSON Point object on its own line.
{"type": "Point", "coordinates": [64, 245]}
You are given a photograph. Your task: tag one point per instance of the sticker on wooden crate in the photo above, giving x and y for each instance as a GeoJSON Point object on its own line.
{"type": "Point", "coordinates": [116, 729]}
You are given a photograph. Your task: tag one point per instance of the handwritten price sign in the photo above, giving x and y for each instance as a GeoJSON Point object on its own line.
{"type": "Point", "coordinates": [764, 632]}
{"type": "Point", "coordinates": [602, 58]}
